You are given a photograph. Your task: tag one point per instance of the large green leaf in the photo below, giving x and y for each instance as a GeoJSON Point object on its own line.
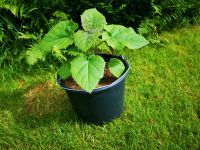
{"type": "Point", "coordinates": [64, 71]}
{"type": "Point", "coordinates": [60, 36]}
{"type": "Point", "coordinates": [87, 71]}
{"type": "Point", "coordinates": [93, 21]}
{"type": "Point", "coordinates": [84, 40]}
{"type": "Point", "coordinates": [118, 36]}
{"type": "Point", "coordinates": [114, 43]}
{"type": "Point", "coordinates": [116, 67]}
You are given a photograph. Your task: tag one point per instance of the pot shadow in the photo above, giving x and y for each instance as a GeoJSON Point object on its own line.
{"type": "Point", "coordinates": [38, 106]}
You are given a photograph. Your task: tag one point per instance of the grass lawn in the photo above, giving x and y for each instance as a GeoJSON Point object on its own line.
{"type": "Point", "coordinates": [162, 103]}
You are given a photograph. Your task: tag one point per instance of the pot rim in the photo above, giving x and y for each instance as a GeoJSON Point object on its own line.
{"type": "Point", "coordinates": [102, 88]}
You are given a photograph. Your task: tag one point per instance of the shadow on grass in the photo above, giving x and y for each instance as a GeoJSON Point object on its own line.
{"type": "Point", "coordinates": [38, 106]}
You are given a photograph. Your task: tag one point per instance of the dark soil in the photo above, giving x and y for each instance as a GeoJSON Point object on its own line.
{"type": "Point", "coordinates": [107, 79]}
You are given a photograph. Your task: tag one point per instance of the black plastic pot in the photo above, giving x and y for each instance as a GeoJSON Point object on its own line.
{"type": "Point", "coordinates": [104, 103]}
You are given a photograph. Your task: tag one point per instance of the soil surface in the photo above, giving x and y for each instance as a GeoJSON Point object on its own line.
{"type": "Point", "coordinates": [107, 79]}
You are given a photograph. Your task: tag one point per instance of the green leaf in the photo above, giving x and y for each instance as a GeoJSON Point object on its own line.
{"type": "Point", "coordinates": [93, 21]}
{"type": "Point", "coordinates": [60, 36]}
{"type": "Point", "coordinates": [118, 36]}
{"type": "Point", "coordinates": [116, 67]}
{"type": "Point", "coordinates": [26, 36]}
{"type": "Point", "coordinates": [33, 56]}
{"type": "Point", "coordinates": [60, 15]}
{"type": "Point", "coordinates": [64, 71]}
{"type": "Point", "coordinates": [1, 34]}
{"type": "Point", "coordinates": [58, 54]}
{"type": "Point", "coordinates": [103, 47]}
{"type": "Point", "coordinates": [114, 43]}
{"type": "Point", "coordinates": [84, 40]}
{"type": "Point", "coordinates": [73, 51]}
{"type": "Point", "coordinates": [87, 71]}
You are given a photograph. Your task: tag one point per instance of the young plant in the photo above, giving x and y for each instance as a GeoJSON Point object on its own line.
{"type": "Point", "coordinates": [83, 65]}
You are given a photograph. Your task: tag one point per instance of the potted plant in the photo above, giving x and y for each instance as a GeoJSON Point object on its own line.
{"type": "Point", "coordinates": [87, 57]}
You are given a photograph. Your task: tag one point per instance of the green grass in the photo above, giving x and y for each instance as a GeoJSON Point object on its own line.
{"type": "Point", "coordinates": [162, 104]}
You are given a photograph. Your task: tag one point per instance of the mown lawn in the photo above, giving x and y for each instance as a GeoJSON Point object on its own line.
{"type": "Point", "coordinates": [162, 103]}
